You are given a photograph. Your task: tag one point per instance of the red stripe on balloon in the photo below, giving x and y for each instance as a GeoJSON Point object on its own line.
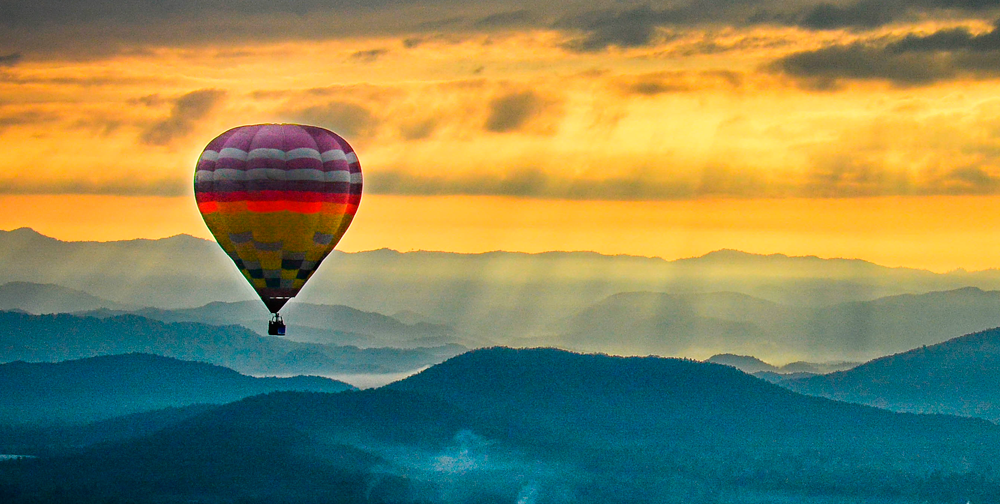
{"type": "Point", "coordinates": [305, 207]}
{"type": "Point", "coordinates": [207, 207]}
{"type": "Point", "coordinates": [308, 207]}
{"type": "Point", "coordinates": [304, 196]}
{"type": "Point", "coordinates": [296, 206]}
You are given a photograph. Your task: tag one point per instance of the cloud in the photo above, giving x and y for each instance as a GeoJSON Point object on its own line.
{"type": "Point", "coordinates": [97, 28]}
{"type": "Point", "coordinates": [11, 59]}
{"type": "Point", "coordinates": [864, 14]}
{"type": "Point", "coordinates": [152, 100]}
{"type": "Point", "coordinates": [370, 55]}
{"type": "Point", "coordinates": [412, 42]}
{"type": "Point", "coordinates": [27, 117]}
{"type": "Point", "coordinates": [957, 39]}
{"type": "Point", "coordinates": [72, 79]}
{"type": "Point", "coordinates": [911, 60]}
{"type": "Point", "coordinates": [362, 92]}
{"type": "Point", "coordinates": [186, 111]}
{"type": "Point", "coordinates": [511, 112]}
{"type": "Point", "coordinates": [100, 126]}
{"type": "Point", "coordinates": [418, 130]}
{"type": "Point", "coordinates": [522, 183]}
{"type": "Point", "coordinates": [847, 175]}
{"type": "Point", "coordinates": [101, 27]}
{"type": "Point", "coordinates": [968, 180]}
{"type": "Point", "coordinates": [853, 176]}
{"type": "Point", "coordinates": [634, 27]}
{"type": "Point", "coordinates": [349, 119]}
{"type": "Point", "coordinates": [440, 23]}
{"type": "Point", "coordinates": [824, 69]}
{"type": "Point", "coordinates": [535, 183]}
{"type": "Point", "coordinates": [657, 83]}
{"type": "Point", "coordinates": [124, 187]}
{"type": "Point", "coordinates": [504, 19]}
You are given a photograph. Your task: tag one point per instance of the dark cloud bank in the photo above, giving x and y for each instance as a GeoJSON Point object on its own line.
{"type": "Point", "coordinates": [103, 26]}
{"type": "Point", "coordinates": [911, 60]}
{"type": "Point", "coordinates": [184, 113]}
{"type": "Point", "coordinates": [511, 111]}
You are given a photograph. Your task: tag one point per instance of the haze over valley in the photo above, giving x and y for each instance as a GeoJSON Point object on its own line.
{"type": "Point", "coordinates": [778, 308]}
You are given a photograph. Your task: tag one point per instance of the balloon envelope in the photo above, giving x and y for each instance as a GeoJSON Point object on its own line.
{"type": "Point", "coordinates": [278, 198]}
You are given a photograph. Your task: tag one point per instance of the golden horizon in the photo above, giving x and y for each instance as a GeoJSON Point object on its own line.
{"type": "Point", "coordinates": [914, 232]}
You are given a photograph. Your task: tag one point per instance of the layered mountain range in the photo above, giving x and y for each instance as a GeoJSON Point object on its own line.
{"type": "Point", "coordinates": [504, 425]}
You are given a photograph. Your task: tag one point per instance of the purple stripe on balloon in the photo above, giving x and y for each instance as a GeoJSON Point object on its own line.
{"type": "Point", "coordinates": [242, 137]}
{"type": "Point", "coordinates": [264, 162]}
{"type": "Point", "coordinates": [277, 185]}
{"type": "Point", "coordinates": [269, 136]}
{"type": "Point", "coordinates": [220, 141]}
{"type": "Point", "coordinates": [324, 141]}
{"type": "Point", "coordinates": [305, 163]}
{"type": "Point", "coordinates": [297, 137]}
{"type": "Point", "coordinates": [336, 164]}
{"type": "Point", "coordinates": [229, 163]}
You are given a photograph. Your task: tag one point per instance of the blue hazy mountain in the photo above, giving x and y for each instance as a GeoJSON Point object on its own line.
{"type": "Point", "coordinates": [497, 295]}
{"type": "Point", "coordinates": [752, 365]}
{"type": "Point", "coordinates": [103, 387]}
{"type": "Point", "coordinates": [180, 271]}
{"type": "Point", "coordinates": [672, 324]}
{"type": "Point", "coordinates": [959, 377]}
{"type": "Point", "coordinates": [50, 298]}
{"type": "Point", "coordinates": [51, 338]}
{"type": "Point", "coordinates": [746, 363]}
{"type": "Point", "coordinates": [335, 325]}
{"type": "Point", "coordinates": [502, 425]}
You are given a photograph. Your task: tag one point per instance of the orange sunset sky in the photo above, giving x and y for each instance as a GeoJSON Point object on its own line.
{"type": "Point", "coordinates": [865, 129]}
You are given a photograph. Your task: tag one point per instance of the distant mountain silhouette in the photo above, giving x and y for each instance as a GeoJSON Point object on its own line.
{"type": "Point", "coordinates": [49, 338]}
{"type": "Point", "coordinates": [498, 425]}
{"type": "Point", "coordinates": [775, 377]}
{"type": "Point", "coordinates": [98, 388]}
{"type": "Point", "coordinates": [179, 271]}
{"type": "Point", "coordinates": [654, 323]}
{"type": "Point", "coordinates": [336, 325]}
{"type": "Point", "coordinates": [959, 377]}
{"type": "Point", "coordinates": [49, 298]}
{"type": "Point", "coordinates": [752, 365]}
{"type": "Point", "coordinates": [497, 295]}
{"type": "Point", "coordinates": [413, 318]}
{"type": "Point", "coordinates": [647, 322]}
{"type": "Point", "coordinates": [745, 363]}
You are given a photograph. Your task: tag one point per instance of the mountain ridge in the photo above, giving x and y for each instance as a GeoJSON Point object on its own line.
{"type": "Point", "coordinates": [490, 298]}
{"type": "Point", "coordinates": [51, 298]}
{"type": "Point", "coordinates": [61, 337]}
{"type": "Point", "coordinates": [955, 377]}
{"type": "Point", "coordinates": [102, 387]}
{"type": "Point", "coordinates": [724, 253]}
{"type": "Point", "coordinates": [493, 424]}
{"type": "Point", "coordinates": [726, 322]}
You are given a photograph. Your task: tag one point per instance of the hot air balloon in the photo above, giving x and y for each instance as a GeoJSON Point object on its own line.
{"type": "Point", "coordinates": [278, 198]}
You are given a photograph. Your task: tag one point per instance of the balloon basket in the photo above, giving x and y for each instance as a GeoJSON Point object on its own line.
{"type": "Point", "coordinates": [276, 326]}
